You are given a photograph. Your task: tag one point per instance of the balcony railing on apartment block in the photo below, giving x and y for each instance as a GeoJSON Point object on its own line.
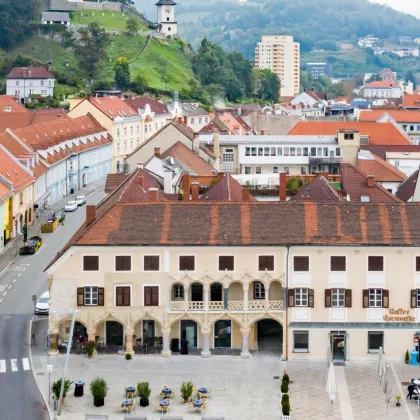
{"type": "Point", "coordinates": [232, 305]}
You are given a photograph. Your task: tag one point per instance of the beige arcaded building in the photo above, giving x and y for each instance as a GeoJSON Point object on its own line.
{"type": "Point", "coordinates": [281, 55]}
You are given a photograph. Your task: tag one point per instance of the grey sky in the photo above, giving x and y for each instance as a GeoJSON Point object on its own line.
{"type": "Point", "coordinates": [407, 6]}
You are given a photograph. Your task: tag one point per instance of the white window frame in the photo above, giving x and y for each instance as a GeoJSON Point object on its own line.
{"type": "Point", "coordinates": [97, 295]}
{"type": "Point", "coordinates": [187, 255]}
{"type": "Point", "coordinates": [266, 255]}
{"type": "Point", "coordinates": [293, 263]}
{"type": "Point", "coordinates": [123, 285]}
{"type": "Point", "coordinates": [383, 341]}
{"type": "Point", "coordinates": [375, 255]}
{"type": "Point", "coordinates": [91, 255]}
{"type": "Point", "coordinates": [123, 255]}
{"type": "Point", "coordinates": [375, 297]}
{"type": "Point", "coordinates": [300, 350]}
{"type": "Point", "coordinates": [151, 271]}
{"type": "Point", "coordinates": [226, 255]}
{"type": "Point", "coordinates": [174, 292]}
{"type": "Point", "coordinates": [337, 255]}
{"type": "Point", "coordinates": [258, 290]}
{"type": "Point", "coordinates": [301, 296]}
{"type": "Point", "coordinates": [338, 297]}
{"type": "Point", "coordinates": [159, 296]}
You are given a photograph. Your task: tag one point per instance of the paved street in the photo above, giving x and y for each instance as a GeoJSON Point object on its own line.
{"type": "Point", "coordinates": [19, 397]}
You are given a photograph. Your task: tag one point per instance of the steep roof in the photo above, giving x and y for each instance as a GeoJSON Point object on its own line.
{"type": "Point", "coordinates": [381, 169]}
{"type": "Point", "coordinates": [113, 181]}
{"type": "Point", "coordinates": [8, 102]}
{"type": "Point", "coordinates": [355, 184]}
{"type": "Point", "coordinates": [18, 119]}
{"type": "Point", "coordinates": [5, 193]}
{"type": "Point", "coordinates": [406, 189]}
{"type": "Point", "coordinates": [227, 189]}
{"type": "Point", "coordinates": [381, 84]}
{"type": "Point", "coordinates": [400, 116]}
{"type": "Point", "coordinates": [317, 191]}
{"type": "Point", "coordinates": [113, 107]}
{"type": "Point", "coordinates": [140, 103]}
{"type": "Point", "coordinates": [379, 133]}
{"type": "Point", "coordinates": [55, 16]}
{"type": "Point", "coordinates": [191, 110]}
{"type": "Point", "coordinates": [381, 151]}
{"type": "Point", "coordinates": [165, 3]}
{"type": "Point", "coordinates": [30, 73]}
{"type": "Point", "coordinates": [188, 158]}
{"type": "Point", "coordinates": [13, 172]}
{"type": "Point", "coordinates": [411, 101]}
{"type": "Point", "coordinates": [318, 96]}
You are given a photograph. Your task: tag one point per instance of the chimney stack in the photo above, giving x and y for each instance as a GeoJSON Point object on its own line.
{"type": "Point", "coordinates": [186, 120]}
{"type": "Point", "coordinates": [153, 194]}
{"type": "Point", "coordinates": [371, 181]}
{"type": "Point", "coordinates": [245, 194]}
{"type": "Point", "coordinates": [216, 149]}
{"type": "Point", "coordinates": [195, 187]}
{"type": "Point", "coordinates": [180, 120]}
{"type": "Point", "coordinates": [90, 214]}
{"type": "Point", "coordinates": [282, 186]}
{"type": "Point", "coordinates": [186, 187]}
{"type": "Point", "coordinates": [157, 151]}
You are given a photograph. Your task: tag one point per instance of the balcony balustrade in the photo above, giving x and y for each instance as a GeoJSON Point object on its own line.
{"type": "Point", "coordinates": [232, 305]}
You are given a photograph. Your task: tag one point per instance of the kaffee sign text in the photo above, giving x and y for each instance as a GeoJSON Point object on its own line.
{"type": "Point", "coordinates": [399, 315]}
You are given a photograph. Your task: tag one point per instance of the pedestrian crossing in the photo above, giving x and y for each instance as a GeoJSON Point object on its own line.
{"type": "Point", "coordinates": [14, 365]}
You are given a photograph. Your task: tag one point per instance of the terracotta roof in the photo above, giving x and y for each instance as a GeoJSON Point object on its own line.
{"type": "Point", "coordinates": [317, 191]}
{"type": "Point", "coordinates": [113, 107]}
{"type": "Point", "coordinates": [318, 96]}
{"type": "Point", "coordinates": [30, 73]}
{"type": "Point", "coordinates": [381, 84]}
{"type": "Point", "coordinates": [379, 133]}
{"type": "Point", "coordinates": [13, 172]}
{"type": "Point", "coordinates": [226, 189]}
{"type": "Point", "coordinates": [400, 116]}
{"type": "Point", "coordinates": [187, 157]}
{"type": "Point", "coordinates": [355, 184]}
{"type": "Point", "coordinates": [39, 169]}
{"type": "Point", "coordinates": [411, 101]}
{"type": "Point", "coordinates": [9, 102]}
{"type": "Point", "coordinates": [5, 193]}
{"type": "Point", "coordinates": [113, 181]}
{"type": "Point", "coordinates": [381, 169]}
{"type": "Point", "coordinates": [18, 119]}
{"type": "Point", "coordinates": [402, 148]}
{"type": "Point", "coordinates": [406, 189]}
{"type": "Point", "coordinates": [139, 103]}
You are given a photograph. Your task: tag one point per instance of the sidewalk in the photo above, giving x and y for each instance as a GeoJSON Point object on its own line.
{"type": "Point", "coordinates": [11, 250]}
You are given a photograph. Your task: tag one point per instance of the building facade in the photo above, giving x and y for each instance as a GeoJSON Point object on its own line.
{"type": "Point", "coordinates": [167, 24]}
{"type": "Point", "coordinates": [317, 70]}
{"type": "Point", "coordinates": [281, 55]}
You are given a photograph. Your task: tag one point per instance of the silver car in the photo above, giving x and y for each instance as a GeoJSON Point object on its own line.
{"type": "Point", "coordinates": [80, 200]}
{"type": "Point", "coordinates": [71, 206]}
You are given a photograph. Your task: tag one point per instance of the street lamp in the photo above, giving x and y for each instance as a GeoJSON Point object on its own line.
{"type": "Point", "coordinates": [66, 364]}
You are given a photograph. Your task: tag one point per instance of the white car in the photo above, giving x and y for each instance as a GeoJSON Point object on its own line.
{"type": "Point", "coordinates": [42, 305]}
{"type": "Point", "coordinates": [71, 206]}
{"type": "Point", "coordinates": [80, 200]}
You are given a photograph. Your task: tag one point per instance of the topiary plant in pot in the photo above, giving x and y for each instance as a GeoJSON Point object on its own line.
{"type": "Point", "coordinates": [144, 391]}
{"type": "Point", "coordinates": [407, 357]}
{"type": "Point", "coordinates": [186, 391]}
{"type": "Point", "coordinates": [98, 389]}
{"type": "Point", "coordinates": [284, 387]}
{"type": "Point", "coordinates": [90, 348]}
{"type": "Point", "coordinates": [285, 377]}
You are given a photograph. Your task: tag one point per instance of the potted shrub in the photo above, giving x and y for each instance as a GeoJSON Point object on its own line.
{"type": "Point", "coordinates": [285, 409]}
{"type": "Point", "coordinates": [90, 348]}
{"type": "Point", "coordinates": [407, 357]}
{"type": "Point", "coordinates": [144, 391]}
{"type": "Point", "coordinates": [56, 389]}
{"type": "Point", "coordinates": [186, 391]}
{"type": "Point", "coordinates": [398, 397]}
{"type": "Point", "coordinates": [98, 389]}
{"type": "Point", "coordinates": [128, 356]}
{"type": "Point", "coordinates": [285, 397]}
{"type": "Point", "coordinates": [284, 387]}
{"type": "Point", "coordinates": [285, 377]}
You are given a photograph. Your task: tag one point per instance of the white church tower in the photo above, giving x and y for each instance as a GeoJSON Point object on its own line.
{"type": "Point", "coordinates": [166, 18]}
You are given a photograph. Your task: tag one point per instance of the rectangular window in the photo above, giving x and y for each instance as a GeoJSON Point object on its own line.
{"type": "Point", "coordinates": [286, 170]}
{"type": "Point", "coordinates": [123, 263]}
{"type": "Point", "coordinates": [151, 263]}
{"type": "Point", "coordinates": [325, 151]}
{"type": "Point", "coordinates": [375, 340]}
{"type": "Point", "coordinates": [266, 151]}
{"type": "Point", "coordinates": [301, 297]}
{"type": "Point", "coordinates": [91, 295]}
{"type": "Point", "coordinates": [258, 169]}
{"type": "Point", "coordinates": [300, 341]}
{"type": "Point", "coordinates": [187, 262]}
{"type": "Point", "coordinates": [338, 151]}
{"type": "Point", "coordinates": [303, 170]}
{"type": "Point", "coordinates": [151, 296]}
{"type": "Point", "coordinates": [259, 290]}
{"type": "Point", "coordinates": [122, 296]}
{"type": "Point", "coordinates": [279, 151]}
{"type": "Point", "coordinates": [192, 120]}
{"type": "Point", "coordinates": [375, 263]}
{"type": "Point", "coordinates": [299, 151]}
{"type": "Point", "coordinates": [226, 262]}
{"type": "Point", "coordinates": [247, 170]}
{"type": "Point", "coordinates": [266, 262]}
{"type": "Point", "coordinates": [90, 263]}
{"type": "Point", "coordinates": [275, 169]}
{"type": "Point", "coordinates": [293, 151]}
{"type": "Point", "coordinates": [348, 136]}
{"type": "Point", "coordinates": [337, 298]}
{"type": "Point", "coordinates": [319, 151]}
{"type": "Point", "coordinates": [273, 151]}
{"type": "Point", "coordinates": [286, 151]}
{"type": "Point", "coordinates": [260, 151]}
{"type": "Point", "coordinates": [305, 151]}
{"type": "Point", "coordinates": [301, 264]}
{"type": "Point", "coordinates": [417, 263]}
{"type": "Point", "coordinates": [313, 151]}
{"type": "Point", "coordinates": [375, 298]}
{"type": "Point", "coordinates": [253, 151]}
{"type": "Point", "coordinates": [247, 151]}
{"type": "Point", "coordinates": [178, 292]}
{"type": "Point", "coordinates": [338, 263]}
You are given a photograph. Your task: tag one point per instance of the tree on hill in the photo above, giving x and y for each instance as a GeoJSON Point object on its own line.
{"type": "Point", "coordinates": [122, 73]}
{"type": "Point", "coordinates": [132, 25]}
{"type": "Point", "coordinates": [268, 85]}
{"type": "Point", "coordinates": [374, 78]}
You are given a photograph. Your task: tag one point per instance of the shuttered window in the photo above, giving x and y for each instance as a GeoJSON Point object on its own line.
{"type": "Point", "coordinates": [123, 296]}
{"type": "Point", "coordinates": [417, 263]}
{"type": "Point", "coordinates": [415, 298]}
{"type": "Point", "coordinates": [187, 262]}
{"type": "Point", "coordinates": [226, 262]}
{"type": "Point", "coordinates": [266, 262]}
{"type": "Point", "coordinates": [90, 295]}
{"type": "Point", "coordinates": [376, 298]}
{"type": "Point", "coordinates": [151, 296]}
{"type": "Point", "coordinates": [301, 263]}
{"type": "Point", "coordinates": [90, 263]}
{"type": "Point", "coordinates": [151, 263]}
{"type": "Point", "coordinates": [338, 263]}
{"type": "Point", "coordinates": [338, 298]}
{"type": "Point", "coordinates": [123, 263]}
{"type": "Point", "coordinates": [375, 263]}
{"type": "Point", "coordinates": [302, 297]}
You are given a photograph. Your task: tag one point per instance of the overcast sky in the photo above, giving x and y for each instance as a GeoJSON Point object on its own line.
{"type": "Point", "coordinates": [407, 6]}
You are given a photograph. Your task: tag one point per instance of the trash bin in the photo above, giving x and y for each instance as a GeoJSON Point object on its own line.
{"type": "Point", "coordinates": [72, 190]}
{"type": "Point", "coordinates": [79, 388]}
{"type": "Point", "coordinates": [414, 354]}
{"type": "Point", "coordinates": [175, 345]}
{"type": "Point", "coordinates": [184, 346]}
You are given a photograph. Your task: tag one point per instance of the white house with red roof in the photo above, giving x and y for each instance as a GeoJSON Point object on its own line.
{"type": "Point", "coordinates": [382, 89]}
{"type": "Point", "coordinates": [25, 83]}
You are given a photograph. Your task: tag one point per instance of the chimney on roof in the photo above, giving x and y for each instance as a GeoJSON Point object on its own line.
{"type": "Point", "coordinates": [196, 143]}
{"type": "Point", "coordinates": [90, 214]}
{"type": "Point", "coordinates": [140, 181]}
{"type": "Point", "coordinates": [245, 194]}
{"type": "Point", "coordinates": [216, 149]}
{"type": "Point", "coordinates": [167, 181]}
{"type": "Point", "coordinates": [180, 120]}
{"type": "Point", "coordinates": [262, 132]}
{"type": "Point", "coordinates": [282, 186]}
{"type": "Point", "coordinates": [153, 194]}
{"type": "Point", "coordinates": [157, 151]}
{"type": "Point", "coordinates": [371, 181]}
{"type": "Point", "coordinates": [195, 188]}
{"type": "Point", "coordinates": [186, 120]}
{"type": "Point", "coordinates": [186, 187]}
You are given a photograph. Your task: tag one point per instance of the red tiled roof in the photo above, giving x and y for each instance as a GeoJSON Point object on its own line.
{"type": "Point", "coordinates": [113, 181]}
{"type": "Point", "coordinates": [379, 133]}
{"type": "Point", "coordinates": [30, 73]}
{"type": "Point", "coordinates": [381, 84]}
{"type": "Point", "coordinates": [318, 96]}
{"type": "Point", "coordinates": [381, 169]}
{"type": "Point", "coordinates": [113, 107]}
{"type": "Point", "coordinates": [400, 116]}
{"type": "Point", "coordinates": [355, 184]}
{"type": "Point", "coordinates": [18, 119]}
{"type": "Point", "coordinates": [9, 102]}
{"type": "Point", "coordinates": [411, 101]}
{"type": "Point", "coordinates": [406, 190]}
{"type": "Point", "coordinates": [140, 103]}
{"type": "Point", "coordinates": [382, 150]}
{"type": "Point", "coordinates": [13, 172]}
{"type": "Point", "coordinates": [226, 189]}
{"type": "Point", "coordinates": [317, 191]}
{"type": "Point", "coordinates": [187, 157]}
{"type": "Point", "coordinates": [5, 193]}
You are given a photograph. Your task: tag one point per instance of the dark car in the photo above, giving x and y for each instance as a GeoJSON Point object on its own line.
{"type": "Point", "coordinates": [31, 246]}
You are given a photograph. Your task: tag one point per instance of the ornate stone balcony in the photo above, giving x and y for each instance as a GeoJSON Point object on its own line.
{"type": "Point", "coordinates": [232, 305]}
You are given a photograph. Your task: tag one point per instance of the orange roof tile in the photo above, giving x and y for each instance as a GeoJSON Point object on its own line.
{"type": "Point", "coordinates": [317, 191]}
{"type": "Point", "coordinates": [379, 133]}
{"type": "Point", "coordinates": [411, 101]}
{"type": "Point", "coordinates": [400, 116]}
{"type": "Point", "coordinates": [381, 84]}
{"type": "Point", "coordinates": [113, 107]}
{"type": "Point", "coordinates": [226, 189]}
{"type": "Point", "coordinates": [13, 172]}
{"type": "Point", "coordinates": [383, 171]}
{"type": "Point", "coordinates": [9, 102]}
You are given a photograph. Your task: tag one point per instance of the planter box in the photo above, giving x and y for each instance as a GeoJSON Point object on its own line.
{"type": "Point", "coordinates": [50, 227]}
{"type": "Point", "coordinates": [98, 401]}
{"type": "Point", "coordinates": [144, 403]}
{"type": "Point", "coordinates": [286, 417]}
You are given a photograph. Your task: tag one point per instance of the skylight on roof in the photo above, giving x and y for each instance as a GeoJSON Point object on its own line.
{"type": "Point", "coordinates": [110, 112]}
{"type": "Point", "coordinates": [7, 173]}
{"type": "Point", "coordinates": [15, 171]}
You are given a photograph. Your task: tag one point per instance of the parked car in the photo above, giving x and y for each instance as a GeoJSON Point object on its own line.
{"type": "Point", "coordinates": [42, 305]}
{"type": "Point", "coordinates": [32, 245]}
{"type": "Point", "coordinates": [71, 206]}
{"type": "Point", "coordinates": [80, 200]}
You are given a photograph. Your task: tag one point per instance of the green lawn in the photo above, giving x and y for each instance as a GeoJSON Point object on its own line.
{"type": "Point", "coordinates": [109, 20]}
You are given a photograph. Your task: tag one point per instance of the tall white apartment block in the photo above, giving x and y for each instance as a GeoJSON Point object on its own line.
{"type": "Point", "coordinates": [282, 56]}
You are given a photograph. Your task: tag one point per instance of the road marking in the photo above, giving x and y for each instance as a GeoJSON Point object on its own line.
{"type": "Point", "coordinates": [26, 365]}
{"type": "Point", "coordinates": [14, 365]}
{"type": "Point", "coordinates": [19, 275]}
{"type": "Point", "coordinates": [5, 293]}
{"type": "Point", "coordinates": [1, 300]}
{"type": "Point", "coordinates": [2, 366]}
{"type": "Point", "coordinates": [10, 287]}
{"type": "Point", "coordinates": [14, 280]}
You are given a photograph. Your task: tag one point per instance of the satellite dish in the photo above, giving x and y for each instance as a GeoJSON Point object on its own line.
{"type": "Point", "coordinates": [171, 159]}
